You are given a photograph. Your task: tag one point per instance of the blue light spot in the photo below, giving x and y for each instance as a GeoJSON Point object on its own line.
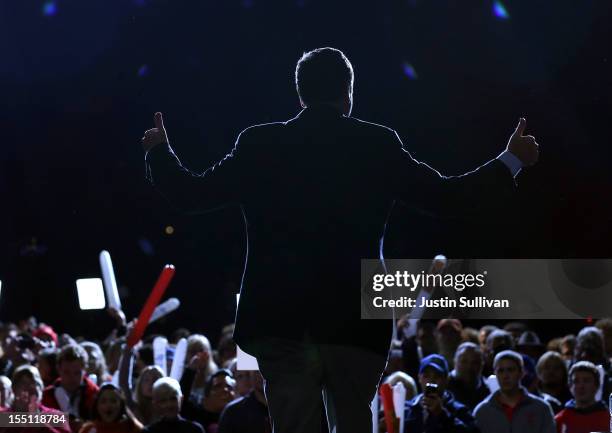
{"type": "Point", "coordinates": [49, 9]}
{"type": "Point", "coordinates": [146, 246]}
{"type": "Point", "coordinates": [409, 71]}
{"type": "Point", "coordinates": [143, 70]}
{"type": "Point", "coordinates": [499, 10]}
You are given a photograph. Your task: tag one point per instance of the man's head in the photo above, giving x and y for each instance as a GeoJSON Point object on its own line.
{"type": "Point", "coordinates": [590, 345]}
{"type": "Point", "coordinates": [433, 369]}
{"type": "Point", "coordinates": [71, 364]}
{"type": "Point", "coordinates": [167, 397]}
{"type": "Point", "coordinates": [508, 368]}
{"type": "Point", "coordinates": [219, 390]}
{"type": "Point", "coordinates": [325, 76]}
{"type": "Point", "coordinates": [551, 369]}
{"type": "Point", "coordinates": [584, 383]}
{"type": "Point", "coordinates": [468, 362]}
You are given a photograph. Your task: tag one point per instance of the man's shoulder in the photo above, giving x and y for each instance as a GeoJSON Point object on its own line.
{"type": "Point", "coordinates": [485, 405]}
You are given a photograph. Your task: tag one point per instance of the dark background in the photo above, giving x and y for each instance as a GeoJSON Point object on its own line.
{"type": "Point", "coordinates": [80, 81]}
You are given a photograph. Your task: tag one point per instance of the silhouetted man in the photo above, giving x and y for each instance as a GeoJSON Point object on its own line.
{"type": "Point", "coordinates": [315, 192]}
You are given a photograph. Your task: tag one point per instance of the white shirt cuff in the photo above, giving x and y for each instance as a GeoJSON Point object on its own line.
{"type": "Point", "coordinates": [511, 161]}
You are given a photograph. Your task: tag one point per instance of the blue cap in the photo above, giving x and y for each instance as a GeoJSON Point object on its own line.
{"type": "Point", "coordinates": [435, 361]}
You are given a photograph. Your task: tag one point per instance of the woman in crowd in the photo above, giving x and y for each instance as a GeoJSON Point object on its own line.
{"type": "Point", "coordinates": [27, 390]}
{"type": "Point", "coordinates": [110, 413]}
{"type": "Point", "coordinates": [96, 365]}
{"type": "Point", "coordinates": [200, 366]}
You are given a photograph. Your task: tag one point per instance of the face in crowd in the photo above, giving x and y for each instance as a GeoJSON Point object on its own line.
{"type": "Point", "coordinates": [509, 374]}
{"type": "Point", "coordinates": [167, 401]}
{"type": "Point", "coordinates": [469, 364]}
{"type": "Point", "coordinates": [71, 373]}
{"type": "Point", "coordinates": [109, 405]}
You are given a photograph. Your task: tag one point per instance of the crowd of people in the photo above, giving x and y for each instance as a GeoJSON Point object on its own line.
{"type": "Point", "coordinates": [457, 379]}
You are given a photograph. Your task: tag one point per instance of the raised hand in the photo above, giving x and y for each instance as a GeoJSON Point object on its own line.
{"type": "Point", "coordinates": [524, 147]}
{"type": "Point", "coordinates": [155, 136]}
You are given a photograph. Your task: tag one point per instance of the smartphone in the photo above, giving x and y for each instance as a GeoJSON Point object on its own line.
{"type": "Point", "coordinates": [431, 388]}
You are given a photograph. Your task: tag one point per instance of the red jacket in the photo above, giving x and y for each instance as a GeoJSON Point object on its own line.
{"type": "Point", "coordinates": [88, 393]}
{"type": "Point", "coordinates": [591, 419]}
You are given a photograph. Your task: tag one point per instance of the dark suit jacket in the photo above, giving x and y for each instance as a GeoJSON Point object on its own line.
{"type": "Point", "coordinates": [316, 192]}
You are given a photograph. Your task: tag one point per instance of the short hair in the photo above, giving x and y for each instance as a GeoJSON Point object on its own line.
{"type": "Point", "coordinates": [73, 352]}
{"type": "Point", "coordinates": [211, 378]}
{"type": "Point", "coordinates": [323, 75]}
{"type": "Point", "coordinates": [169, 384]}
{"type": "Point", "coordinates": [548, 357]}
{"type": "Point", "coordinates": [586, 366]}
{"type": "Point", "coordinates": [604, 324]}
{"type": "Point", "coordinates": [592, 337]}
{"type": "Point", "coordinates": [509, 355]}
{"type": "Point", "coordinates": [464, 347]}
{"type": "Point", "coordinates": [502, 335]}
{"type": "Point", "coordinates": [30, 372]}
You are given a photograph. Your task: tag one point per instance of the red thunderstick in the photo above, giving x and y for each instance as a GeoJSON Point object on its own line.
{"type": "Point", "coordinates": [145, 314]}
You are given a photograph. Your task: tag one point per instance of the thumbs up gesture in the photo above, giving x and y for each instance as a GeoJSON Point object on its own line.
{"type": "Point", "coordinates": [524, 147]}
{"type": "Point", "coordinates": [155, 136]}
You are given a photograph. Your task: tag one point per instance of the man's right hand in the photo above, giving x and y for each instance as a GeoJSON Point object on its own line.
{"type": "Point", "coordinates": [155, 136]}
{"type": "Point", "coordinates": [524, 147]}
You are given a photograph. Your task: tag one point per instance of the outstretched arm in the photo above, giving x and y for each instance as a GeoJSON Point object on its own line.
{"type": "Point", "coordinates": [190, 192]}
{"type": "Point", "coordinates": [418, 184]}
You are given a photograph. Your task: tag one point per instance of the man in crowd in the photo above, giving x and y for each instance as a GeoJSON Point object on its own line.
{"type": "Point", "coordinates": [218, 392]}
{"type": "Point", "coordinates": [448, 337]}
{"type": "Point", "coordinates": [72, 392]}
{"type": "Point", "coordinates": [590, 347]}
{"type": "Point", "coordinates": [435, 410]}
{"type": "Point", "coordinates": [583, 413]}
{"type": "Point", "coordinates": [167, 401]}
{"type": "Point", "coordinates": [465, 381]}
{"type": "Point", "coordinates": [511, 408]}
{"type": "Point", "coordinates": [248, 414]}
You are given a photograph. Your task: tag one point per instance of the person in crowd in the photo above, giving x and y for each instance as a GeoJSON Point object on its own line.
{"type": "Point", "coordinates": [435, 409]}
{"type": "Point", "coordinates": [15, 353]}
{"type": "Point", "coordinates": [140, 400]}
{"type": "Point", "coordinates": [552, 374]}
{"type": "Point", "coordinates": [605, 326]}
{"type": "Point", "coordinates": [6, 392]}
{"type": "Point", "coordinates": [483, 334]}
{"type": "Point", "coordinates": [110, 413]}
{"type": "Point", "coordinates": [27, 390]}
{"type": "Point", "coordinates": [497, 341]}
{"type": "Point", "coordinates": [47, 365]}
{"type": "Point", "coordinates": [465, 381]}
{"type": "Point", "coordinates": [248, 414]}
{"type": "Point", "coordinates": [144, 357]}
{"type": "Point", "coordinates": [511, 408]}
{"type": "Point", "coordinates": [590, 347]}
{"type": "Point", "coordinates": [73, 392]}
{"type": "Point", "coordinates": [530, 344]}
{"type": "Point", "coordinates": [470, 334]}
{"type": "Point", "coordinates": [409, 383]}
{"type": "Point", "coordinates": [167, 402]}
{"type": "Point", "coordinates": [242, 377]}
{"type": "Point", "coordinates": [47, 334]}
{"type": "Point", "coordinates": [531, 382]}
{"type": "Point", "coordinates": [583, 413]}
{"type": "Point", "coordinates": [199, 368]}
{"type": "Point", "coordinates": [226, 350]}
{"type": "Point", "coordinates": [219, 390]}
{"type": "Point", "coordinates": [554, 345]}
{"type": "Point", "coordinates": [418, 346]}
{"type": "Point", "coordinates": [113, 353]}
{"type": "Point", "coordinates": [448, 338]}
{"type": "Point", "coordinates": [96, 365]}
{"type": "Point", "coordinates": [568, 346]}
{"type": "Point", "coordinates": [515, 329]}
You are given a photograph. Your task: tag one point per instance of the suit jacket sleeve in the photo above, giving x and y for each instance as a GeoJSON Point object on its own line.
{"type": "Point", "coordinates": [191, 192]}
{"type": "Point", "coordinates": [418, 185]}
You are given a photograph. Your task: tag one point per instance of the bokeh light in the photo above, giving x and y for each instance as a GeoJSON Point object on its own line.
{"type": "Point", "coordinates": [143, 70]}
{"type": "Point", "coordinates": [409, 71]}
{"type": "Point", "coordinates": [499, 10]}
{"type": "Point", "coordinates": [169, 230]}
{"type": "Point", "coordinates": [49, 8]}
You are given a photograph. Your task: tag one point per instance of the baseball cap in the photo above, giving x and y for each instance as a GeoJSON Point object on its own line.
{"type": "Point", "coordinates": [435, 361]}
